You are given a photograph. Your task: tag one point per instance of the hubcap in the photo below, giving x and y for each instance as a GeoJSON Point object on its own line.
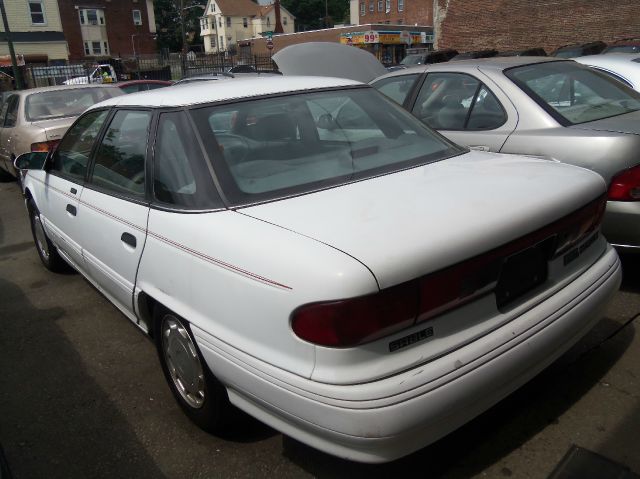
{"type": "Point", "coordinates": [183, 362]}
{"type": "Point", "coordinates": [41, 239]}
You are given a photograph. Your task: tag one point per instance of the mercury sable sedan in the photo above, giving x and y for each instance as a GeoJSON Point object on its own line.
{"type": "Point", "coordinates": [537, 106]}
{"type": "Point", "coordinates": [357, 282]}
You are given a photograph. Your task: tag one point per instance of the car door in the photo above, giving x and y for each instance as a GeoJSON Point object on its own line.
{"type": "Point", "coordinates": [60, 209]}
{"type": "Point", "coordinates": [9, 123]}
{"type": "Point", "coordinates": [114, 200]}
{"type": "Point", "coordinates": [465, 110]}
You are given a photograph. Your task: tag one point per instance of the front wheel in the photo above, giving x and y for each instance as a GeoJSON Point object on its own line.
{"type": "Point", "coordinates": [201, 396]}
{"type": "Point", "coordinates": [48, 253]}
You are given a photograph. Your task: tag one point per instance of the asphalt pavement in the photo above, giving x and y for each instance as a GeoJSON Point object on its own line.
{"type": "Point", "coordinates": [82, 395]}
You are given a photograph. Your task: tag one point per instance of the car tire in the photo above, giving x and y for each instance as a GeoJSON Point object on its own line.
{"type": "Point", "coordinates": [48, 253]}
{"type": "Point", "coordinates": [200, 395]}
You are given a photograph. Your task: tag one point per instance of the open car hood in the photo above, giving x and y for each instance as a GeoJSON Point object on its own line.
{"type": "Point", "coordinates": [329, 60]}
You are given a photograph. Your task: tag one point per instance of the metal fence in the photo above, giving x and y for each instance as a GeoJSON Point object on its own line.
{"type": "Point", "coordinates": [172, 66]}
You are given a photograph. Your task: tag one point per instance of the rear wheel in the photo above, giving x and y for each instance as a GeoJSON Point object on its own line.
{"type": "Point", "coordinates": [48, 253]}
{"type": "Point", "coordinates": [201, 396]}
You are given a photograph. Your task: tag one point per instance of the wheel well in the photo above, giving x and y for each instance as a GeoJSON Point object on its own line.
{"type": "Point", "coordinates": [146, 306]}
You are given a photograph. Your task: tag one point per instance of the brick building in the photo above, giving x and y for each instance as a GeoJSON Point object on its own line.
{"type": "Point", "coordinates": [396, 12]}
{"type": "Point", "coordinates": [108, 28]}
{"type": "Point", "coordinates": [516, 24]}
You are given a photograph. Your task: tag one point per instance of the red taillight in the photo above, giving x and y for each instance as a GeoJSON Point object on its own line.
{"type": "Point", "coordinates": [625, 186]}
{"type": "Point", "coordinates": [349, 322]}
{"type": "Point", "coordinates": [45, 145]}
{"type": "Point", "coordinates": [357, 320]}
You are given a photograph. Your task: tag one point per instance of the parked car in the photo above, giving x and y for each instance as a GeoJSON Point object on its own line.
{"type": "Point", "coordinates": [627, 45]}
{"type": "Point", "coordinates": [536, 106]}
{"type": "Point", "coordinates": [427, 57]}
{"type": "Point", "coordinates": [474, 54]}
{"type": "Point", "coordinates": [104, 73]}
{"type": "Point", "coordinates": [527, 52]}
{"type": "Point", "coordinates": [36, 119]}
{"type": "Point", "coordinates": [134, 86]}
{"type": "Point", "coordinates": [579, 50]}
{"type": "Point", "coordinates": [307, 250]}
{"type": "Point", "coordinates": [624, 67]}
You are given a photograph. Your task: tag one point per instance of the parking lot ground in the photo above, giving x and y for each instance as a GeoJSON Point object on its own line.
{"type": "Point", "coordinates": [82, 395]}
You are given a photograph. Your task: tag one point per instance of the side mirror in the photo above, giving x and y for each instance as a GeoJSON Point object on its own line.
{"type": "Point", "coordinates": [34, 160]}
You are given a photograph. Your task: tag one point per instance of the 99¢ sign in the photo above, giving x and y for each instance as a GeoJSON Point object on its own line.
{"type": "Point", "coordinates": [371, 37]}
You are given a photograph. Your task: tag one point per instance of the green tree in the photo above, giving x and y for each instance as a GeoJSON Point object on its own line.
{"type": "Point", "coordinates": [310, 14]}
{"type": "Point", "coordinates": [168, 23]}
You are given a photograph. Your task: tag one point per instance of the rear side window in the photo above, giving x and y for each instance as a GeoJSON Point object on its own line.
{"type": "Point", "coordinates": [120, 158]}
{"type": "Point", "coordinates": [11, 116]}
{"type": "Point", "coordinates": [397, 88]}
{"type": "Point", "coordinates": [180, 175]}
{"type": "Point", "coordinates": [71, 157]}
{"type": "Point", "coordinates": [454, 101]}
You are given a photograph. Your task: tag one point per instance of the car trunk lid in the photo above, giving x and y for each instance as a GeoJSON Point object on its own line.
{"type": "Point", "coordinates": [54, 128]}
{"type": "Point", "coordinates": [627, 123]}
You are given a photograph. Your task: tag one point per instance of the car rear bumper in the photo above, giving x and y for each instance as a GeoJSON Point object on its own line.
{"type": "Point", "coordinates": [384, 424]}
{"type": "Point", "coordinates": [621, 225]}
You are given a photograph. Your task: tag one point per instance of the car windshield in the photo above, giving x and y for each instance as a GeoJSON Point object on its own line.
{"type": "Point", "coordinates": [574, 93]}
{"type": "Point", "coordinates": [413, 60]}
{"type": "Point", "coordinates": [287, 145]}
{"type": "Point", "coordinates": [64, 103]}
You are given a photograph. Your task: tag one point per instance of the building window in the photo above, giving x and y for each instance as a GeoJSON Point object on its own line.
{"type": "Point", "coordinates": [400, 5]}
{"type": "Point", "coordinates": [220, 22]}
{"type": "Point", "coordinates": [81, 15]}
{"type": "Point", "coordinates": [87, 51]}
{"type": "Point", "coordinates": [106, 48]}
{"type": "Point", "coordinates": [91, 17]}
{"type": "Point", "coordinates": [212, 41]}
{"type": "Point", "coordinates": [228, 22]}
{"type": "Point", "coordinates": [371, 6]}
{"type": "Point", "coordinates": [363, 9]}
{"type": "Point", "coordinates": [380, 5]}
{"type": "Point", "coordinates": [36, 9]}
{"type": "Point", "coordinates": [245, 24]}
{"type": "Point", "coordinates": [268, 21]}
{"type": "Point", "coordinates": [137, 17]}
{"type": "Point", "coordinates": [221, 42]}
{"type": "Point", "coordinates": [388, 9]}
{"type": "Point", "coordinates": [213, 7]}
{"type": "Point", "coordinates": [97, 48]}
{"type": "Point", "coordinates": [284, 20]}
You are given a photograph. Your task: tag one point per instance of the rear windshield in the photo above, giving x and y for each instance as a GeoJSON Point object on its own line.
{"type": "Point", "coordinates": [64, 103]}
{"type": "Point", "coordinates": [574, 93]}
{"type": "Point", "coordinates": [281, 146]}
{"type": "Point", "coordinates": [413, 60]}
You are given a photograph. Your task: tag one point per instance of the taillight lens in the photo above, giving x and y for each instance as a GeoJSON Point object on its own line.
{"type": "Point", "coordinates": [357, 320]}
{"type": "Point", "coordinates": [625, 186]}
{"type": "Point", "coordinates": [45, 145]}
{"type": "Point", "coordinates": [349, 322]}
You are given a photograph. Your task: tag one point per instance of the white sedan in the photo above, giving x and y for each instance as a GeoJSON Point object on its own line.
{"type": "Point", "coordinates": [308, 251]}
{"type": "Point", "coordinates": [624, 67]}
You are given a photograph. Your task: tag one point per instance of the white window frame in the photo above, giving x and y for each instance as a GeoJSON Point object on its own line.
{"type": "Point", "coordinates": [139, 15]}
{"type": "Point", "coordinates": [284, 20]}
{"type": "Point", "coordinates": [388, 7]}
{"type": "Point", "coordinates": [401, 5]}
{"type": "Point", "coordinates": [93, 50]}
{"type": "Point", "coordinates": [380, 5]}
{"type": "Point", "coordinates": [228, 22]}
{"type": "Point", "coordinates": [212, 41]}
{"type": "Point", "coordinates": [363, 9]}
{"type": "Point", "coordinates": [42, 12]}
{"type": "Point", "coordinates": [87, 49]}
{"type": "Point", "coordinates": [372, 6]}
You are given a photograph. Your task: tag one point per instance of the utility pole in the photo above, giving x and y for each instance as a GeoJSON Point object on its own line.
{"type": "Point", "coordinates": [14, 63]}
{"type": "Point", "coordinates": [183, 40]}
{"type": "Point", "coordinates": [278, 28]}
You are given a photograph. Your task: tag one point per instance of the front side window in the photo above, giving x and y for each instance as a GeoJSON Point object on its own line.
{"type": "Point", "coordinates": [36, 10]}
{"type": "Point", "coordinates": [137, 17]}
{"type": "Point", "coordinates": [271, 148]}
{"type": "Point", "coordinates": [120, 158]}
{"type": "Point", "coordinates": [397, 88]}
{"type": "Point", "coordinates": [71, 157]}
{"type": "Point", "coordinates": [180, 175]}
{"type": "Point", "coordinates": [573, 93]}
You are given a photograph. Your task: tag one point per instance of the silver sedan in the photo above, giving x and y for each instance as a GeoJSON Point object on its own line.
{"type": "Point", "coordinates": [536, 106]}
{"type": "Point", "coordinates": [36, 119]}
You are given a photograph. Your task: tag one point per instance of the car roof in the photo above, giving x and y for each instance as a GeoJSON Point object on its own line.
{"type": "Point", "coordinates": [495, 63]}
{"type": "Point", "coordinates": [142, 82]}
{"type": "Point", "coordinates": [207, 92]}
{"type": "Point", "coordinates": [63, 87]}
